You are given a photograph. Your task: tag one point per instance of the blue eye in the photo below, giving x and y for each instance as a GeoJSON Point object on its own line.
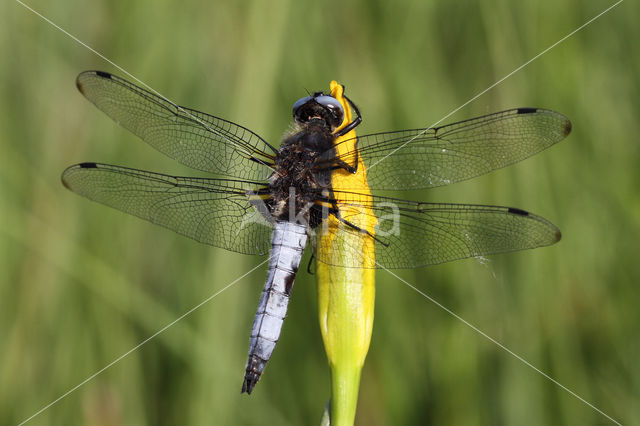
{"type": "Point", "coordinates": [330, 102]}
{"type": "Point", "coordinates": [333, 106]}
{"type": "Point", "coordinates": [301, 102]}
{"type": "Point", "coordinates": [334, 113]}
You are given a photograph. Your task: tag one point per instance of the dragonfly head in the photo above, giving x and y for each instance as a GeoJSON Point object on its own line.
{"type": "Point", "coordinates": [319, 106]}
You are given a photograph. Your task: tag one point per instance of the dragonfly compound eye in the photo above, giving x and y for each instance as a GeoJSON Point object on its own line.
{"type": "Point", "coordinates": [299, 104]}
{"type": "Point", "coordinates": [319, 106]}
{"type": "Point", "coordinates": [334, 107]}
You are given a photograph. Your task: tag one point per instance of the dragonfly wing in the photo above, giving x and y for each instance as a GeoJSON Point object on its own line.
{"type": "Point", "coordinates": [426, 158]}
{"type": "Point", "coordinates": [211, 211]}
{"type": "Point", "coordinates": [413, 234]}
{"type": "Point", "coordinates": [193, 138]}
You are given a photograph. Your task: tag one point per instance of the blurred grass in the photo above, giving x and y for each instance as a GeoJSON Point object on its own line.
{"type": "Point", "coordinates": [81, 284]}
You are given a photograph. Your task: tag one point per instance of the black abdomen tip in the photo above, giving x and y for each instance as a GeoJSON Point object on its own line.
{"type": "Point", "coordinates": [250, 380]}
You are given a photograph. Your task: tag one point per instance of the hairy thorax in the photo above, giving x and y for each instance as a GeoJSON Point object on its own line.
{"type": "Point", "coordinates": [297, 180]}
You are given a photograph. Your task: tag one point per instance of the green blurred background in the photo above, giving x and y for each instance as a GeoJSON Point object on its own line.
{"type": "Point", "coordinates": [81, 284]}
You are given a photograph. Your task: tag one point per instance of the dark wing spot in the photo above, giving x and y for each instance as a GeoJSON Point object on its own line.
{"type": "Point", "coordinates": [527, 110]}
{"type": "Point", "coordinates": [82, 166]}
{"type": "Point", "coordinates": [88, 165]}
{"type": "Point", "coordinates": [518, 211]}
{"type": "Point", "coordinates": [103, 74]}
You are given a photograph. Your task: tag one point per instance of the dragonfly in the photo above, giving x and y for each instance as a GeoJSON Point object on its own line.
{"type": "Point", "coordinates": [265, 200]}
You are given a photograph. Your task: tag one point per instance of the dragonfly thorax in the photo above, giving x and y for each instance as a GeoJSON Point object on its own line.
{"type": "Point", "coordinates": [296, 181]}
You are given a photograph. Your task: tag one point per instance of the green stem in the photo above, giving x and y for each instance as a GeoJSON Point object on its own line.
{"type": "Point", "coordinates": [344, 390]}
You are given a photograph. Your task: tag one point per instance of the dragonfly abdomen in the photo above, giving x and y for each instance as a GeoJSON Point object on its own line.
{"type": "Point", "coordinates": [287, 245]}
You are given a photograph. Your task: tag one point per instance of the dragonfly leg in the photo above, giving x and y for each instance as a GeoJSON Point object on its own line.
{"type": "Point", "coordinates": [349, 127]}
{"type": "Point", "coordinates": [309, 270]}
{"type": "Point", "coordinates": [341, 164]}
{"type": "Point", "coordinates": [336, 212]}
{"type": "Point", "coordinates": [357, 228]}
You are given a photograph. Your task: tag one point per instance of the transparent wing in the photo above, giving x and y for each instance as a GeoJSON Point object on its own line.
{"type": "Point", "coordinates": [426, 158]}
{"type": "Point", "coordinates": [211, 211]}
{"type": "Point", "coordinates": [412, 234]}
{"type": "Point", "coordinates": [193, 138]}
